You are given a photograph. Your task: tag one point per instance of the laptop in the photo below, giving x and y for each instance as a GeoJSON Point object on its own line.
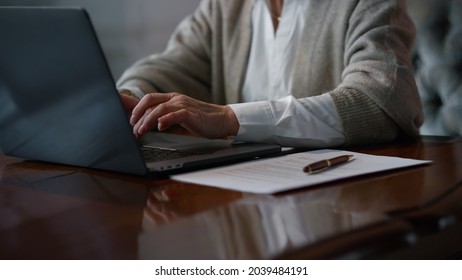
{"type": "Point", "coordinates": [59, 104]}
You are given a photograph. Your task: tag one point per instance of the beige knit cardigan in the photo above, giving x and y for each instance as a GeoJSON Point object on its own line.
{"type": "Point", "coordinates": [356, 51]}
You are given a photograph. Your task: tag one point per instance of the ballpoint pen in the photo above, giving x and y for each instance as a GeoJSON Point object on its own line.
{"type": "Point", "coordinates": [326, 163]}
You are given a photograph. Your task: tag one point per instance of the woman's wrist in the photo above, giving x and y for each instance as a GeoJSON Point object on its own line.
{"type": "Point", "coordinates": [233, 122]}
{"type": "Point", "coordinates": [128, 93]}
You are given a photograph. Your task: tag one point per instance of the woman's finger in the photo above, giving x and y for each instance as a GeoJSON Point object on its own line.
{"type": "Point", "coordinates": [150, 100]}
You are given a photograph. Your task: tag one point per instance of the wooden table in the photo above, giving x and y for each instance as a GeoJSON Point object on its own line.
{"type": "Point", "coordinates": [50, 211]}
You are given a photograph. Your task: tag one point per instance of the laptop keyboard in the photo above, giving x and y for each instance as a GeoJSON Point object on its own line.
{"type": "Point", "coordinates": [152, 154]}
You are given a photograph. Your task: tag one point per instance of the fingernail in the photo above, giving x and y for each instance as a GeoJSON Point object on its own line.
{"type": "Point", "coordinates": [132, 118]}
{"type": "Point", "coordinates": [141, 129]}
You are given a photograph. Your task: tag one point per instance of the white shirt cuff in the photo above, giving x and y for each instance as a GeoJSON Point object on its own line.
{"type": "Point", "coordinates": [307, 122]}
{"type": "Point", "coordinates": [256, 121]}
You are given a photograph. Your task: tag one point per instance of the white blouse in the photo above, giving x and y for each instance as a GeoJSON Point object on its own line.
{"type": "Point", "coordinates": [269, 112]}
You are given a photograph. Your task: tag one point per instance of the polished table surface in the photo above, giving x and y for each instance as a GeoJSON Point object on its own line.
{"type": "Point", "coordinates": [50, 211]}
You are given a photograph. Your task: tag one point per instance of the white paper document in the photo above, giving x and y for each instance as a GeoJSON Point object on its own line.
{"type": "Point", "coordinates": [267, 176]}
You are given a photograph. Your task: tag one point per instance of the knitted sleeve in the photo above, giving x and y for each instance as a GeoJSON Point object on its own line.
{"type": "Point", "coordinates": [377, 99]}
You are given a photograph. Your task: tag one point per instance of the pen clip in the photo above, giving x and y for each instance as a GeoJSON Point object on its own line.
{"type": "Point", "coordinates": [317, 170]}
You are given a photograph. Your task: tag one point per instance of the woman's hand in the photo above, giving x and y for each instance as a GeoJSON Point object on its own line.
{"type": "Point", "coordinates": [166, 109]}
